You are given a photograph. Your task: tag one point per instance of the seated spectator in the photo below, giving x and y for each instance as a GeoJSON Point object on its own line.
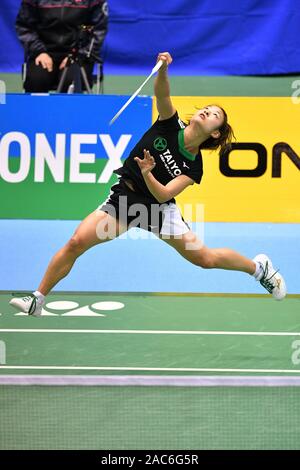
{"type": "Point", "coordinates": [50, 30]}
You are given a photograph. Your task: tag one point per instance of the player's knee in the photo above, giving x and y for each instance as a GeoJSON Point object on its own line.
{"type": "Point", "coordinates": [205, 261]}
{"type": "Point", "coordinates": [75, 245]}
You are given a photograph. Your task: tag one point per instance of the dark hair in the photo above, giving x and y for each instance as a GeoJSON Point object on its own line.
{"type": "Point", "coordinates": [225, 139]}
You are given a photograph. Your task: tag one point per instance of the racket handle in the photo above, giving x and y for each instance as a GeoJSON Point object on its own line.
{"type": "Point", "coordinates": [157, 66]}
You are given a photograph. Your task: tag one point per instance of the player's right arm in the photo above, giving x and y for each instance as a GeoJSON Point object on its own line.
{"type": "Point", "coordinates": [161, 192]}
{"type": "Point", "coordinates": [164, 104]}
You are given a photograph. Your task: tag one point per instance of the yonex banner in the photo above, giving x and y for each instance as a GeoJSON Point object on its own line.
{"type": "Point", "coordinates": [258, 181]}
{"type": "Point", "coordinates": [58, 153]}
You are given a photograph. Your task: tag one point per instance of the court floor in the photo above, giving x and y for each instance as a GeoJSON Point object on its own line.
{"type": "Point", "coordinates": [146, 333]}
{"type": "Point", "coordinates": [151, 371]}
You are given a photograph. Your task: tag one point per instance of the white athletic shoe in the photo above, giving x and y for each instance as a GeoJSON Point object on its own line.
{"type": "Point", "coordinates": [29, 304]}
{"type": "Point", "coordinates": [271, 280]}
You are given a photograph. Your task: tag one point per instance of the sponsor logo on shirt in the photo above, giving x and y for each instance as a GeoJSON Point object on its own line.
{"type": "Point", "coordinates": [181, 123]}
{"type": "Point", "coordinates": [170, 164]}
{"type": "Point", "coordinates": [160, 144]}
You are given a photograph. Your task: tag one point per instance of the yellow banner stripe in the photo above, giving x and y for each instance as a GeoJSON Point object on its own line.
{"type": "Point", "coordinates": [272, 124]}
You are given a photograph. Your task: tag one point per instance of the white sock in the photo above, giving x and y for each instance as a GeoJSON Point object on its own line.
{"type": "Point", "coordinates": [39, 296]}
{"type": "Point", "coordinates": [258, 271]}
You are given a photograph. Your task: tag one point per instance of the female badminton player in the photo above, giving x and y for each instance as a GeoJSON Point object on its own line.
{"type": "Point", "coordinates": [163, 163]}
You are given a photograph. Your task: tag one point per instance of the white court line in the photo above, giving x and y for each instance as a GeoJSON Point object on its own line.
{"type": "Point", "coordinates": [157, 369]}
{"type": "Point", "coordinates": [150, 332]}
{"type": "Point", "coordinates": [154, 380]}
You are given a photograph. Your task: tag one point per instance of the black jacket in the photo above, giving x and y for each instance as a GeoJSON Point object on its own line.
{"type": "Point", "coordinates": [54, 25]}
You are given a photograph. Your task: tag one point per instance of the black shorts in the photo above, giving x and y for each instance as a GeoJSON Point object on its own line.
{"type": "Point", "coordinates": [133, 209]}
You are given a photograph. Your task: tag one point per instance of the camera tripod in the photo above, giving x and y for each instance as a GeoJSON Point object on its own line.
{"type": "Point", "coordinates": [75, 65]}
